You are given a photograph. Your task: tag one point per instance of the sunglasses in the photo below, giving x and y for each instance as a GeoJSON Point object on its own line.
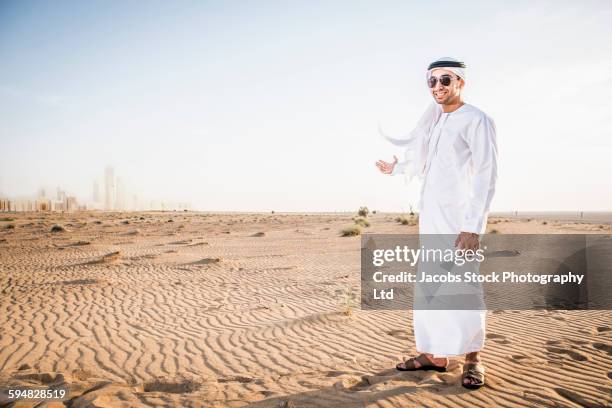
{"type": "Point", "coordinates": [445, 80]}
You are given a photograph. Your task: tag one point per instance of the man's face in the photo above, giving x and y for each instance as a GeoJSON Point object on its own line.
{"type": "Point", "coordinates": [446, 95]}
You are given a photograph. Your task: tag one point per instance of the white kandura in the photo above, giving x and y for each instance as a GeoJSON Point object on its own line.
{"type": "Point", "coordinates": [455, 156]}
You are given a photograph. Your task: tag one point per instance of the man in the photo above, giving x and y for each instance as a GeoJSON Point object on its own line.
{"type": "Point", "coordinates": [453, 150]}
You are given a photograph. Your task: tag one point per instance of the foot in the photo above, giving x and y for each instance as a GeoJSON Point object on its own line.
{"type": "Point", "coordinates": [471, 358]}
{"type": "Point", "coordinates": [437, 362]}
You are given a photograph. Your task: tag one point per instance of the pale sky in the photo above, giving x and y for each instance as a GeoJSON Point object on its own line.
{"type": "Point", "coordinates": [260, 106]}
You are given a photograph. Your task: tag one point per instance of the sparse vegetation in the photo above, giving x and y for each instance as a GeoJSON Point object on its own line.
{"type": "Point", "coordinates": [351, 231]}
{"type": "Point", "coordinates": [58, 228]}
{"type": "Point", "coordinates": [349, 302]}
{"type": "Point", "coordinates": [363, 212]}
{"type": "Point", "coordinates": [402, 220]}
{"type": "Point", "coordinates": [544, 222]}
{"type": "Point", "coordinates": [10, 226]}
{"type": "Point", "coordinates": [7, 219]}
{"type": "Point", "coordinates": [361, 221]}
{"type": "Point", "coordinates": [410, 220]}
{"type": "Point", "coordinates": [493, 231]}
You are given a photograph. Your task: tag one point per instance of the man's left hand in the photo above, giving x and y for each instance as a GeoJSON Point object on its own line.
{"type": "Point", "coordinates": [467, 240]}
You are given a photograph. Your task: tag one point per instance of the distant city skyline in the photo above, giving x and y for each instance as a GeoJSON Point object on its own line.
{"type": "Point", "coordinates": [261, 106]}
{"type": "Point", "coordinates": [115, 198]}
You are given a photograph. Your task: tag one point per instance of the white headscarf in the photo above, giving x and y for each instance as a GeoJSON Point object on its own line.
{"type": "Point", "coordinates": [460, 72]}
{"type": "Point", "coordinates": [417, 141]}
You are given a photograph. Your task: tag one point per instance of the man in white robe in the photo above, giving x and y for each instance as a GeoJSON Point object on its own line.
{"type": "Point", "coordinates": [453, 150]}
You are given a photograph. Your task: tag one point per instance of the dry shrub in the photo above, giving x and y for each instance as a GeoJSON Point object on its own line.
{"type": "Point", "coordinates": [361, 221]}
{"type": "Point", "coordinates": [351, 231]}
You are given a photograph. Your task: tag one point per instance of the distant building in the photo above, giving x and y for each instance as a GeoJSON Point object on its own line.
{"type": "Point", "coordinates": [134, 203]}
{"type": "Point", "coordinates": [96, 192]}
{"type": "Point", "coordinates": [109, 188]}
{"type": "Point", "coordinates": [71, 204]}
{"type": "Point", "coordinates": [60, 195]}
{"type": "Point", "coordinates": [43, 204]}
{"type": "Point", "coordinates": [5, 205]}
{"type": "Point", "coordinates": [120, 195]}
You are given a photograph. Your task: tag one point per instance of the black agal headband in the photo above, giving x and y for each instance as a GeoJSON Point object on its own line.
{"type": "Point", "coordinates": [446, 64]}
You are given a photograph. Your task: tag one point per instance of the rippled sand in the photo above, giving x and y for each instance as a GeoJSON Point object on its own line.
{"type": "Point", "coordinates": [224, 310]}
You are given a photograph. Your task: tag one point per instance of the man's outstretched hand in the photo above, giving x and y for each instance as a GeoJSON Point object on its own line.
{"type": "Point", "coordinates": [385, 167]}
{"type": "Point", "coordinates": [467, 240]}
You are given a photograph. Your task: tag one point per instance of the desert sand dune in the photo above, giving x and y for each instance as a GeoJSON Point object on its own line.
{"type": "Point", "coordinates": [261, 310]}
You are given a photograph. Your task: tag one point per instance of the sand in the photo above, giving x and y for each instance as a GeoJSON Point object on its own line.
{"type": "Point", "coordinates": [261, 310]}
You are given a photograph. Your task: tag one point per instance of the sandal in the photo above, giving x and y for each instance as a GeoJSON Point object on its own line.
{"type": "Point", "coordinates": [473, 371]}
{"type": "Point", "coordinates": [425, 365]}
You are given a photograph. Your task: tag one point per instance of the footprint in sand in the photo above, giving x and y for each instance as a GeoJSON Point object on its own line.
{"type": "Point", "coordinates": [573, 354]}
{"type": "Point", "coordinates": [356, 384]}
{"type": "Point", "coordinates": [43, 378]}
{"type": "Point", "coordinates": [206, 261]}
{"type": "Point", "coordinates": [573, 397]}
{"type": "Point", "coordinates": [400, 334]}
{"type": "Point", "coordinates": [235, 378]}
{"type": "Point", "coordinates": [603, 347]}
{"type": "Point", "coordinates": [336, 373]}
{"type": "Point", "coordinates": [518, 357]}
{"type": "Point", "coordinates": [180, 386]}
{"type": "Point", "coordinates": [578, 342]}
{"type": "Point", "coordinates": [498, 338]}
{"type": "Point", "coordinates": [79, 282]}
{"type": "Point", "coordinates": [181, 242]}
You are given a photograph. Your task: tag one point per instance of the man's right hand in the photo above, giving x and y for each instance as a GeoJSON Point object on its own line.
{"type": "Point", "coordinates": [385, 167]}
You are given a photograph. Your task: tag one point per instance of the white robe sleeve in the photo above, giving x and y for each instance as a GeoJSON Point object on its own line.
{"type": "Point", "coordinates": [400, 167]}
{"type": "Point", "coordinates": [413, 144]}
{"type": "Point", "coordinates": [481, 140]}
